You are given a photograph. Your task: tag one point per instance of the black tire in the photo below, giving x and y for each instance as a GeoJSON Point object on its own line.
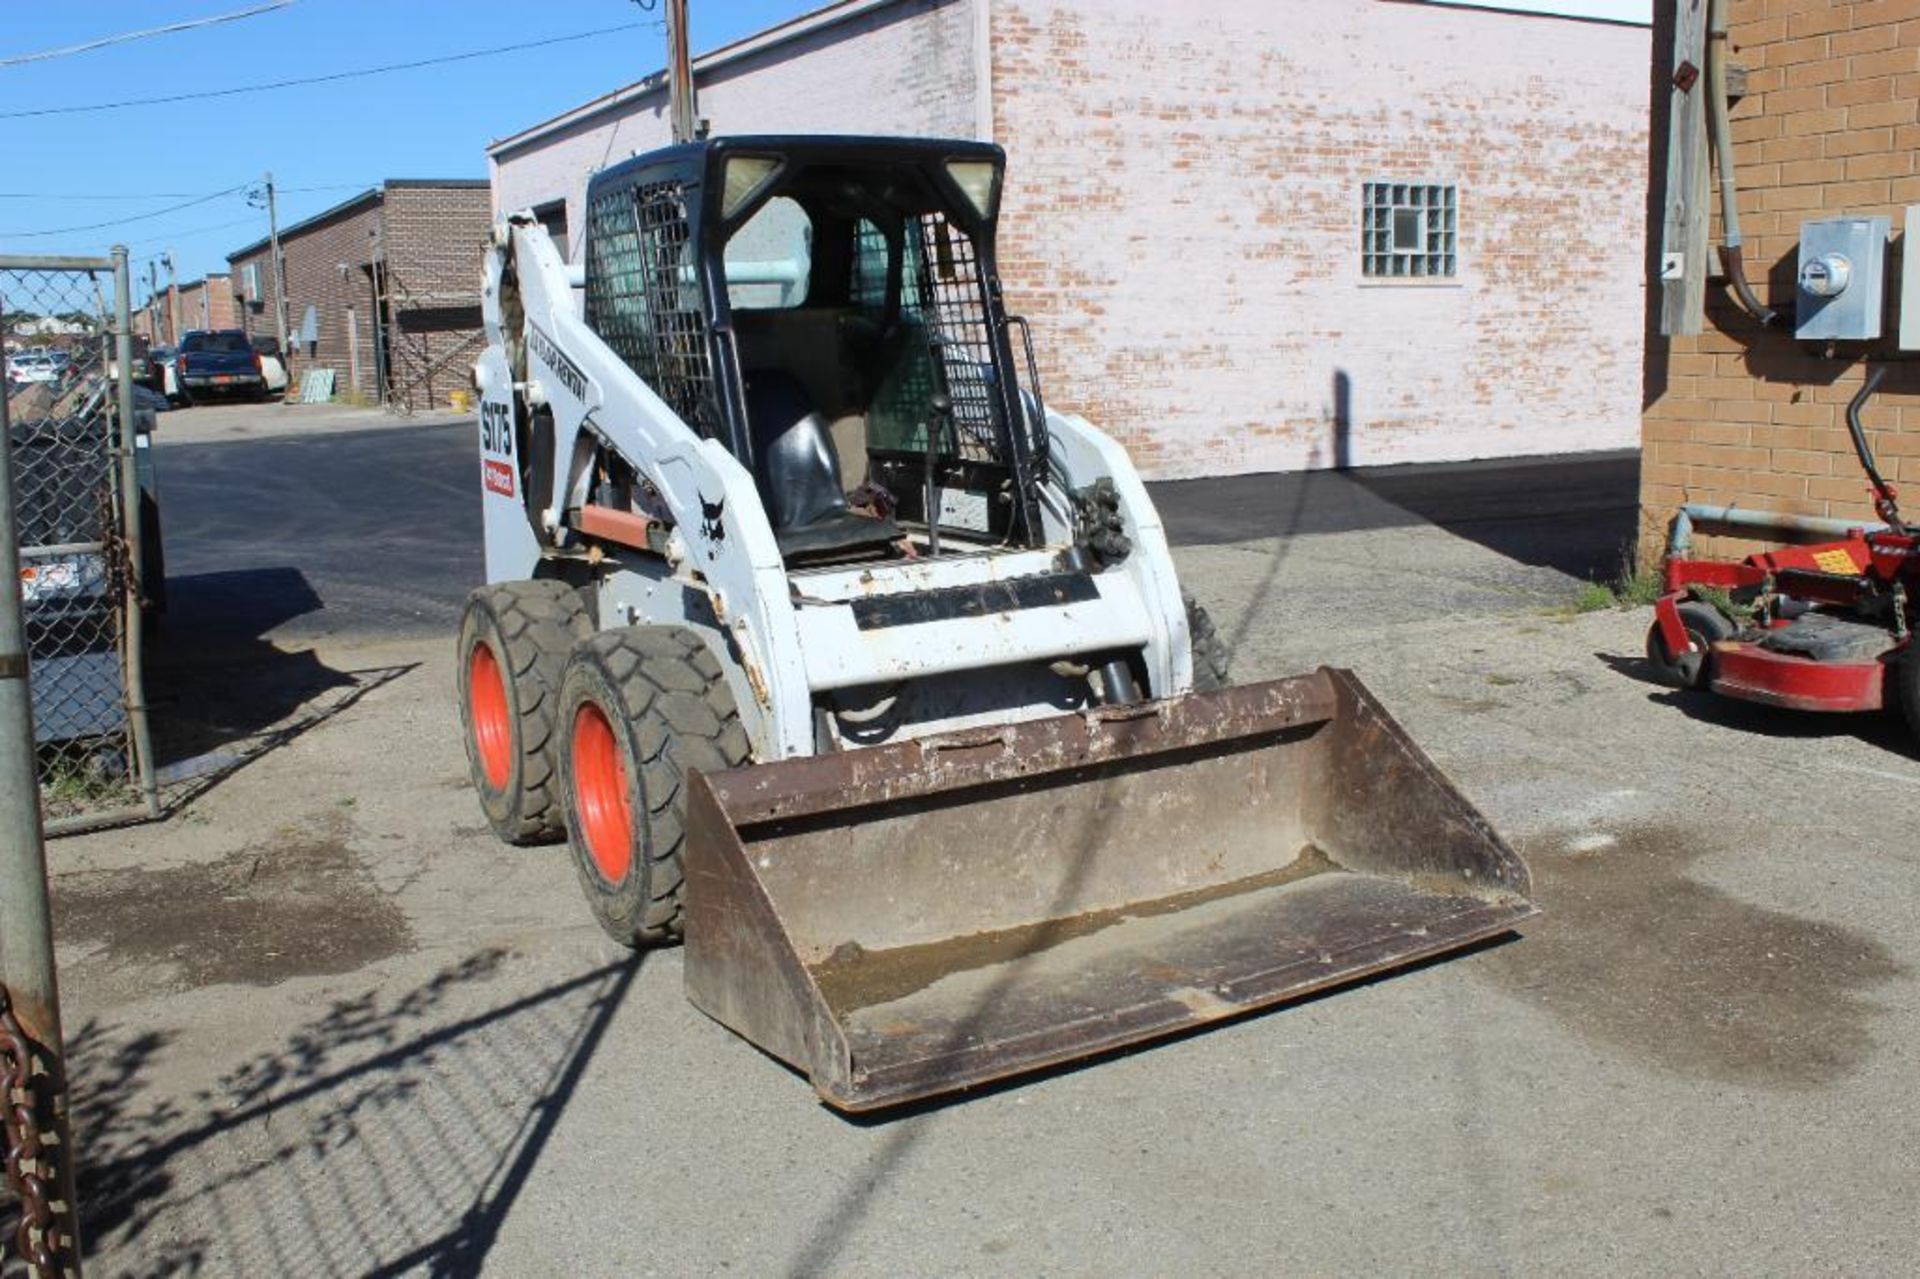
{"type": "Point", "coordinates": [1210, 656]}
{"type": "Point", "coordinates": [520, 634]}
{"type": "Point", "coordinates": [1906, 685]}
{"type": "Point", "coordinates": [1705, 624]}
{"type": "Point", "coordinates": [665, 704]}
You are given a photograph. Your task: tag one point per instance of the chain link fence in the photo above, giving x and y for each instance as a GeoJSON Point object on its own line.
{"type": "Point", "coordinates": [71, 425]}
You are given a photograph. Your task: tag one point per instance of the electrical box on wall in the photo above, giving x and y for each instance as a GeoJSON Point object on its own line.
{"type": "Point", "coordinates": [1910, 282]}
{"type": "Point", "coordinates": [1843, 271]}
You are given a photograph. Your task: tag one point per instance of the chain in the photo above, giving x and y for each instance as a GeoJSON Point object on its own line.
{"type": "Point", "coordinates": [40, 1239]}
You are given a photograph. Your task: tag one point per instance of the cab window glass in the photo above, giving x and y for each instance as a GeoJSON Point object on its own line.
{"type": "Point", "coordinates": [769, 260]}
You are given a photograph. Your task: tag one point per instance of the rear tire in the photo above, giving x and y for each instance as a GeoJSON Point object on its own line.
{"type": "Point", "coordinates": [514, 642]}
{"type": "Point", "coordinates": [640, 708]}
{"type": "Point", "coordinates": [1705, 625]}
{"type": "Point", "coordinates": [1210, 657]}
{"type": "Point", "coordinates": [1906, 685]}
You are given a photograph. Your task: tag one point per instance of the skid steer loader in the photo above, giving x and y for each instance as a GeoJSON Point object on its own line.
{"type": "Point", "coordinates": [830, 648]}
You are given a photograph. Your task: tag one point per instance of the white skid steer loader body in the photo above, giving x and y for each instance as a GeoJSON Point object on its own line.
{"type": "Point", "coordinates": [784, 636]}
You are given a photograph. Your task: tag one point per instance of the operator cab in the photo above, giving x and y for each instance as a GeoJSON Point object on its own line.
{"type": "Point", "coordinates": [829, 309]}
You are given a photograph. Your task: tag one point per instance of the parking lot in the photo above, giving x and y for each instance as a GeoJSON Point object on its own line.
{"type": "Point", "coordinates": [322, 1023]}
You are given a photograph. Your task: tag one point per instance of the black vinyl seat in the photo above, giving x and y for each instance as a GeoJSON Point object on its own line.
{"type": "Point", "coordinates": [797, 471]}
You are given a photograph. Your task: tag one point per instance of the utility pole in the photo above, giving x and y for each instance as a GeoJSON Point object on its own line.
{"type": "Point", "coordinates": [31, 1051]}
{"type": "Point", "coordinates": [681, 108]}
{"type": "Point", "coordinates": [279, 278]}
{"type": "Point", "coordinates": [153, 302]}
{"type": "Point", "coordinates": [173, 303]}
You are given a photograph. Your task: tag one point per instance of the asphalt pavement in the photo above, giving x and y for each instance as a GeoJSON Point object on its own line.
{"type": "Point", "coordinates": [324, 1024]}
{"type": "Point", "coordinates": [376, 530]}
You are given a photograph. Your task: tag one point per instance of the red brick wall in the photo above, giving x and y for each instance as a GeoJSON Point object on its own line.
{"type": "Point", "coordinates": [1742, 416]}
{"type": "Point", "coordinates": [435, 240]}
{"type": "Point", "coordinates": [429, 237]}
{"type": "Point", "coordinates": [201, 304]}
{"type": "Point", "coordinates": [313, 257]}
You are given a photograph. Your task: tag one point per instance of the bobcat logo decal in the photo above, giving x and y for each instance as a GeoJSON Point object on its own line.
{"type": "Point", "coordinates": [711, 526]}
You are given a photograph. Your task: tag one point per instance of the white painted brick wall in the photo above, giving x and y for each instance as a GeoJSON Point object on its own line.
{"type": "Point", "coordinates": [1182, 221]}
{"type": "Point", "coordinates": [1183, 225]}
{"type": "Point", "coordinates": [904, 70]}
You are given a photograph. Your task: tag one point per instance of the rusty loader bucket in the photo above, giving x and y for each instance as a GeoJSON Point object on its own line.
{"type": "Point", "coordinates": [922, 917]}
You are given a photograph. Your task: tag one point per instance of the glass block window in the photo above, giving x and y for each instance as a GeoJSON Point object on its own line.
{"type": "Point", "coordinates": [1408, 231]}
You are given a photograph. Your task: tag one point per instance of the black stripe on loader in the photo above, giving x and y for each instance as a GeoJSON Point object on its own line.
{"type": "Point", "coordinates": [948, 603]}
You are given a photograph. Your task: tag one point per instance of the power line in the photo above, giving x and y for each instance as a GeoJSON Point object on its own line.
{"type": "Point", "coordinates": [319, 79]}
{"type": "Point", "coordinates": [126, 36]}
{"type": "Point", "coordinates": [157, 195]}
{"type": "Point", "coordinates": [138, 217]}
{"type": "Point", "coordinates": [172, 236]}
{"type": "Point", "coordinates": [69, 195]}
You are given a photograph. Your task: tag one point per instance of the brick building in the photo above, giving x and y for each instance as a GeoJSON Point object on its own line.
{"type": "Point", "coordinates": [1250, 237]}
{"type": "Point", "coordinates": [1741, 415]}
{"type": "Point", "coordinates": [383, 288]}
{"type": "Point", "coordinates": [197, 304]}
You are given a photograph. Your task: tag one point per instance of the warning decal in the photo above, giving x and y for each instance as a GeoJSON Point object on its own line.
{"type": "Point", "coordinates": [1835, 560]}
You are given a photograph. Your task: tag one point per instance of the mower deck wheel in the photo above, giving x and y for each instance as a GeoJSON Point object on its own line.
{"type": "Point", "coordinates": [1906, 685]}
{"type": "Point", "coordinates": [1705, 624]}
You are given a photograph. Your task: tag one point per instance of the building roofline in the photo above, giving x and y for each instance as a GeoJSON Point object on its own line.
{"type": "Point", "coordinates": [352, 202]}
{"type": "Point", "coordinates": [1624, 13]}
{"type": "Point", "coordinates": [372, 195]}
{"type": "Point", "coordinates": [454, 184]}
{"type": "Point", "coordinates": [778, 34]}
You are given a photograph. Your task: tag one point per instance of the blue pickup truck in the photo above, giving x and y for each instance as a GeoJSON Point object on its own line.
{"type": "Point", "coordinates": [218, 362]}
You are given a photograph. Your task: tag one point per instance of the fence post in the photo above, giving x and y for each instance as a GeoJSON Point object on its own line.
{"type": "Point", "coordinates": [26, 927]}
{"type": "Point", "coordinates": [133, 659]}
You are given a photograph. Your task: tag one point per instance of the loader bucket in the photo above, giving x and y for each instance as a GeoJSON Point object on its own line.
{"type": "Point", "coordinates": [911, 919]}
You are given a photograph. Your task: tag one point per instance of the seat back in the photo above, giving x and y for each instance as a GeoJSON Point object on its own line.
{"type": "Point", "coordinates": [795, 464]}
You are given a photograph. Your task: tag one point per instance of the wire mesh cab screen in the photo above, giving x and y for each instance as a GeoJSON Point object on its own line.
{"type": "Point", "coordinates": [855, 275]}
{"type": "Point", "coordinates": [643, 295]}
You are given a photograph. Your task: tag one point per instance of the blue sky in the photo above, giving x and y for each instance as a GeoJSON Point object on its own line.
{"type": "Point", "coordinates": [322, 142]}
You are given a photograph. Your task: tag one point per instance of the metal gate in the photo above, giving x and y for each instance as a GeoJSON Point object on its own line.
{"type": "Point", "coordinates": [77, 446]}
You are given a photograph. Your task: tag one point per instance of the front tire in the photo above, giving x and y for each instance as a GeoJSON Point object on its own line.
{"type": "Point", "coordinates": [514, 642]}
{"type": "Point", "coordinates": [1210, 656]}
{"type": "Point", "coordinates": [640, 708]}
{"type": "Point", "coordinates": [1705, 625]}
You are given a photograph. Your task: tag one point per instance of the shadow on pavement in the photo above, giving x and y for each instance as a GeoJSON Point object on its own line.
{"type": "Point", "coordinates": [385, 1135]}
{"type": "Point", "coordinates": [1575, 514]}
{"type": "Point", "coordinates": [1885, 729]}
{"type": "Point", "coordinates": [220, 693]}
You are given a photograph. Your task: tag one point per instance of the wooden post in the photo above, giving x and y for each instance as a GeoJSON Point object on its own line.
{"type": "Point", "coordinates": [1683, 240]}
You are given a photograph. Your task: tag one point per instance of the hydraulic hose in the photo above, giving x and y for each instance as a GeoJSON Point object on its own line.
{"type": "Point", "coordinates": [1722, 130]}
{"type": "Point", "coordinates": [1883, 496]}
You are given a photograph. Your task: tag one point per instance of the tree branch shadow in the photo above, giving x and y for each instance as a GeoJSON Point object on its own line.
{"type": "Point", "coordinates": [383, 1135]}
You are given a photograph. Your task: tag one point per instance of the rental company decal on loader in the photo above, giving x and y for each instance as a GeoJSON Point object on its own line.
{"type": "Point", "coordinates": [829, 648]}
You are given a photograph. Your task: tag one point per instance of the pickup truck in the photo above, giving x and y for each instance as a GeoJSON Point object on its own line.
{"type": "Point", "coordinates": [218, 362]}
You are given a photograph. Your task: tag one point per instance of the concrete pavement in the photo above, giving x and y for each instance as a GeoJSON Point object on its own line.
{"type": "Point", "coordinates": [327, 1025]}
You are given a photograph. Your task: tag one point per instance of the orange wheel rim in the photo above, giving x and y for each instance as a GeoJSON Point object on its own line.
{"type": "Point", "coordinates": [600, 793]}
{"type": "Point", "coordinates": [492, 719]}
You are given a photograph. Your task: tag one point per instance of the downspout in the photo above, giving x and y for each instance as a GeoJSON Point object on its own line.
{"type": "Point", "coordinates": [1722, 131]}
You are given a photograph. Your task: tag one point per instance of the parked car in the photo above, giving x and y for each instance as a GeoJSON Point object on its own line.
{"type": "Point", "coordinates": [144, 371]}
{"type": "Point", "coordinates": [42, 364]}
{"type": "Point", "coordinates": [273, 366]}
{"type": "Point", "coordinates": [218, 362]}
{"type": "Point", "coordinates": [167, 380]}
{"type": "Point", "coordinates": [69, 595]}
